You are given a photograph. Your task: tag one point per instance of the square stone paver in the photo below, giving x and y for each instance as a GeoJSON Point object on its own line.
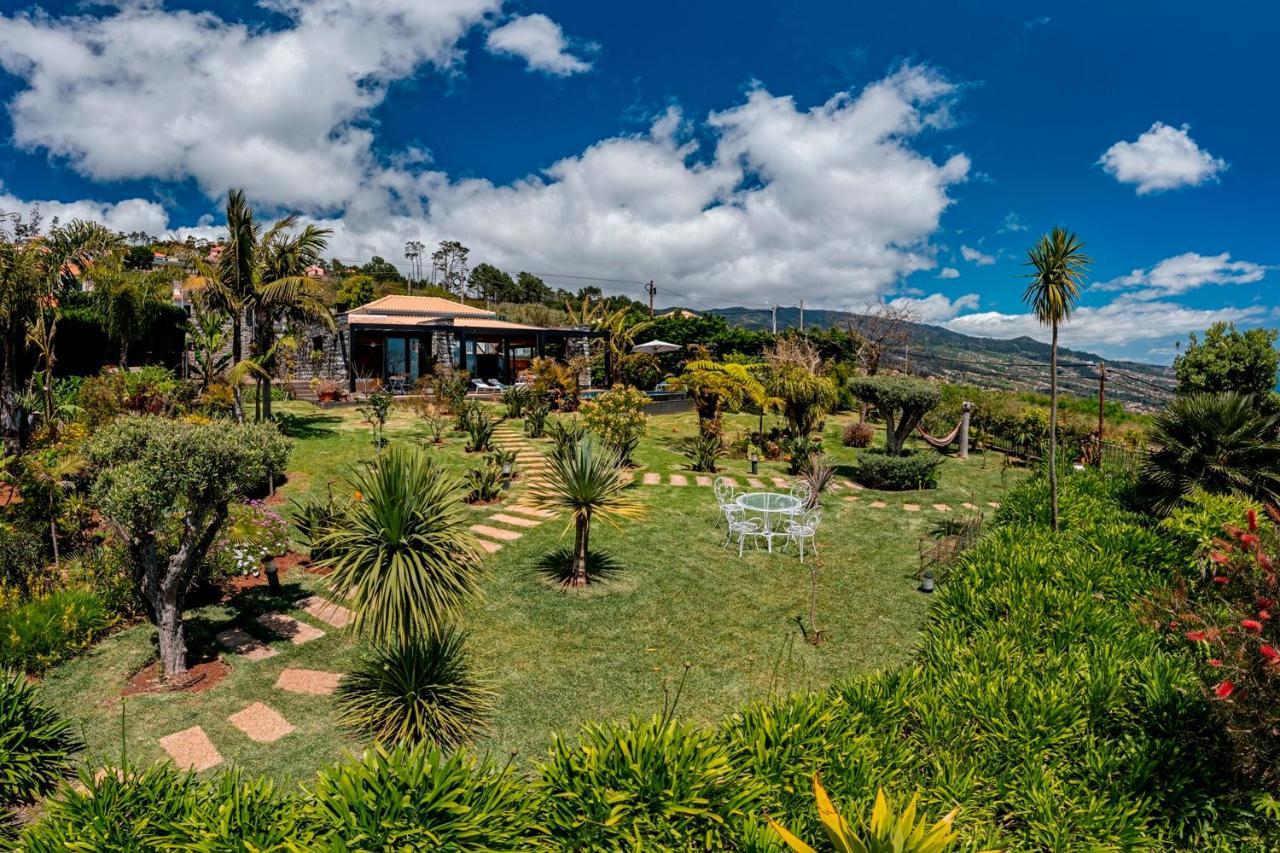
{"type": "Point", "coordinates": [993, 504]}
{"type": "Point", "coordinates": [911, 507]}
{"type": "Point", "coordinates": [942, 508]}
{"type": "Point", "coordinates": [326, 611]}
{"type": "Point", "coordinates": [779, 482]}
{"type": "Point", "coordinates": [531, 510]}
{"type": "Point", "coordinates": [495, 532]}
{"type": "Point", "coordinates": [491, 547]}
{"type": "Point", "coordinates": [652, 478]}
{"type": "Point", "coordinates": [241, 643]}
{"type": "Point", "coordinates": [514, 520]}
{"type": "Point", "coordinates": [968, 505]}
{"type": "Point", "coordinates": [261, 723]}
{"type": "Point", "coordinates": [850, 497]}
{"type": "Point", "coordinates": [311, 682]}
{"type": "Point", "coordinates": [703, 480]}
{"type": "Point", "coordinates": [755, 483]}
{"type": "Point", "coordinates": [730, 482]}
{"type": "Point", "coordinates": [286, 626]}
{"type": "Point", "coordinates": [878, 504]}
{"type": "Point", "coordinates": [679, 480]}
{"type": "Point", "coordinates": [191, 749]}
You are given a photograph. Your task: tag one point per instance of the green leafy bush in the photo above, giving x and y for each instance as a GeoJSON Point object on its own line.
{"type": "Point", "coordinates": [535, 421]}
{"type": "Point", "coordinates": [36, 746]}
{"type": "Point", "coordinates": [39, 632]}
{"type": "Point", "coordinates": [565, 434]}
{"type": "Point", "coordinates": [702, 451]}
{"type": "Point", "coordinates": [649, 783]}
{"type": "Point", "coordinates": [799, 449]}
{"type": "Point", "coordinates": [423, 690]}
{"type": "Point", "coordinates": [315, 517]}
{"type": "Point", "coordinates": [480, 428]}
{"type": "Point", "coordinates": [235, 812]}
{"type": "Point", "coordinates": [641, 370]}
{"type": "Point", "coordinates": [485, 483]}
{"type": "Point", "coordinates": [517, 399]}
{"type": "Point", "coordinates": [22, 560]}
{"type": "Point", "coordinates": [901, 400]}
{"type": "Point", "coordinates": [878, 470]}
{"type": "Point", "coordinates": [416, 798]}
{"type": "Point", "coordinates": [618, 417]}
{"type": "Point", "coordinates": [451, 389]}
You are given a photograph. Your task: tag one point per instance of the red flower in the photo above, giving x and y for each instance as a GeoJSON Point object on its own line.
{"type": "Point", "coordinates": [1264, 615]}
{"type": "Point", "coordinates": [1264, 561]}
{"type": "Point", "coordinates": [1269, 653]}
{"type": "Point", "coordinates": [1265, 603]}
{"type": "Point", "coordinates": [1251, 624]}
{"type": "Point", "coordinates": [1251, 515]}
{"type": "Point", "coordinates": [1219, 558]}
{"type": "Point", "coordinates": [1250, 539]}
{"type": "Point", "coordinates": [1215, 662]}
{"type": "Point", "coordinates": [1223, 690]}
{"type": "Point", "coordinates": [1196, 636]}
{"type": "Point", "coordinates": [1221, 580]}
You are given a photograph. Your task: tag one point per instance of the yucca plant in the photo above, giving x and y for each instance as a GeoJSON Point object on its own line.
{"type": "Point", "coordinates": [703, 450]}
{"type": "Point", "coordinates": [819, 471]}
{"type": "Point", "coordinates": [565, 433]}
{"type": "Point", "coordinates": [314, 517]}
{"type": "Point", "coordinates": [485, 483]}
{"type": "Point", "coordinates": [1218, 442]}
{"type": "Point", "coordinates": [516, 398]}
{"type": "Point", "coordinates": [587, 480]}
{"type": "Point", "coordinates": [404, 552]}
{"type": "Point", "coordinates": [499, 458]}
{"type": "Point", "coordinates": [535, 420]}
{"type": "Point", "coordinates": [36, 745]}
{"type": "Point", "coordinates": [889, 832]}
{"type": "Point", "coordinates": [424, 690]}
{"type": "Point", "coordinates": [465, 413]}
{"type": "Point", "coordinates": [480, 429]}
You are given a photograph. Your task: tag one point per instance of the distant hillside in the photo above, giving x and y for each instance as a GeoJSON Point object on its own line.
{"type": "Point", "coordinates": [1017, 363]}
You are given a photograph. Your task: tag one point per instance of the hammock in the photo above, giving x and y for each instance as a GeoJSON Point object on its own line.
{"type": "Point", "coordinates": [939, 443]}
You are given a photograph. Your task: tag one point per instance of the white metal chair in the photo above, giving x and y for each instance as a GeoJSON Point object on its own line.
{"type": "Point", "coordinates": [801, 491]}
{"type": "Point", "coordinates": [805, 527]}
{"type": "Point", "coordinates": [740, 526]}
{"type": "Point", "coordinates": [725, 494]}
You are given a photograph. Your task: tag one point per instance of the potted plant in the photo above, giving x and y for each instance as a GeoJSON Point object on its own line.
{"type": "Point", "coordinates": [327, 390]}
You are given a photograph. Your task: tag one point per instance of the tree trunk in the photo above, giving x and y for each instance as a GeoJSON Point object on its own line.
{"type": "Point", "coordinates": [264, 392]}
{"type": "Point", "coordinates": [53, 531]}
{"type": "Point", "coordinates": [237, 349]}
{"type": "Point", "coordinates": [1053, 431]}
{"type": "Point", "coordinates": [173, 637]}
{"type": "Point", "coordinates": [580, 539]}
{"type": "Point", "coordinates": [891, 445]}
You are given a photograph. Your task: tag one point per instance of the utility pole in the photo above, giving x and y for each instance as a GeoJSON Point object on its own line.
{"type": "Point", "coordinates": [773, 308]}
{"type": "Point", "coordinates": [1102, 396]}
{"type": "Point", "coordinates": [651, 289]}
{"type": "Point", "coordinates": [802, 316]}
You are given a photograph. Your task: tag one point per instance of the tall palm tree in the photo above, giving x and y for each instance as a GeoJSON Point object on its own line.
{"type": "Point", "coordinates": [1059, 266]}
{"type": "Point", "coordinates": [620, 327]}
{"type": "Point", "coordinates": [587, 480]}
{"type": "Point", "coordinates": [403, 552]}
{"type": "Point", "coordinates": [715, 386]}
{"type": "Point", "coordinates": [56, 474]}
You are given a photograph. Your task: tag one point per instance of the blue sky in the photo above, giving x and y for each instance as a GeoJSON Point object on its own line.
{"type": "Point", "coordinates": [736, 153]}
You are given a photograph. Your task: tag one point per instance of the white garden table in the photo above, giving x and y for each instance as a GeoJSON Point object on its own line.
{"type": "Point", "coordinates": [767, 505]}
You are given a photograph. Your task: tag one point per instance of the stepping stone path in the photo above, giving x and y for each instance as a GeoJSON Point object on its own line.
{"type": "Point", "coordinates": [514, 520]}
{"type": "Point", "coordinates": [250, 648]}
{"type": "Point", "coordinates": [510, 524]}
{"type": "Point", "coordinates": [310, 682]}
{"type": "Point", "coordinates": [754, 483]}
{"type": "Point", "coordinates": [286, 626]}
{"type": "Point", "coordinates": [968, 505]}
{"type": "Point", "coordinates": [702, 481]}
{"type": "Point", "coordinates": [911, 507]}
{"type": "Point", "coordinates": [495, 532]}
{"type": "Point", "coordinates": [261, 723]}
{"type": "Point", "coordinates": [326, 611]}
{"type": "Point", "coordinates": [993, 504]}
{"type": "Point", "coordinates": [878, 504]}
{"type": "Point", "coordinates": [191, 749]}
{"type": "Point", "coordinates": [942, 508]}
{"type": "Point", "coordinates": [851, 497]}
{"type": "Point", "coordinates": [679, 480]}
{"type": "Point", "coordinates": [780, 483]}
{"type": "Point", "coordinates": [653, 479]}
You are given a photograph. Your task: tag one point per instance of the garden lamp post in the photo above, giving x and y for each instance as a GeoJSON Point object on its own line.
{"type": "Point", "coordinates": [926, 580]}
{"type": "Point", "coordinates": [755, 462]}
{"type": "Point", "coordinates": [506, 474]}
{"type": "Point", "coordinates": [273, 577]}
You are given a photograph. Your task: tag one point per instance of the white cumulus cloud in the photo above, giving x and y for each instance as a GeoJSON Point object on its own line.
{"type": "Point", "coordinates": [948, 272]}
{"type": "Point", "coordinates": [976, 257]}
{"type": "Point", "coordinates": [130, 215]}
{"type": "Point", "coordinates": [1185, 272]}
{"type": "Point", "coordinates": [936, 308]}
{"type": "Point", "coordinates": [1163, 158]}
{"type": "Point", "coordinates": [540, 42]}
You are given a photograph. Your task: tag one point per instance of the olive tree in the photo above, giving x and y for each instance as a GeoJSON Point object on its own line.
{"type": "Point", "coordinates": [163, 486]}
{"type": "Point", "coordinates": [902, 400]}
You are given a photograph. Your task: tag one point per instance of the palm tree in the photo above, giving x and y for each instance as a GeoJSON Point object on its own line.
{"type": "Point", "coordinates": [54, 473]}
{"type": "Point", "coordinates": [1059, 266]}
{"type": "Point", "coordinates": [587, 480]}
{"type": "Point", "coordinates": [715, 386]}
{"type": "Point", "coordinates": [621, 329]}
{"type": "Point", "coordinates": [1218, 442]}
{"type": "Point", "coordinates": [403, 552]}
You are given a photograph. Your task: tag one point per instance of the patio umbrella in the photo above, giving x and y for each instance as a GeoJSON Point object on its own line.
{"type": "Point", "coordinates": [655, 347]}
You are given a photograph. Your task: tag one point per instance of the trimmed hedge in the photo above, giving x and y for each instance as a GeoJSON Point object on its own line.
{"type": "Point", "coordinates": [1039, 703]}
{"type": "Point", "coordinates": [878, 470]}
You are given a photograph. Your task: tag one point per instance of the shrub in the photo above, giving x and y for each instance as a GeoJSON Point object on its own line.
{"type": "Point", "coordinates": [702, 452]}
{"type": "Point", "coordinates": [618, 417]}
{"type": "Point", "coordinates": [879, 470]}
{"type": "Point", "coordinates": [517, 398]}
{"type": "Point", "coordinates": [37, 633]}
{"type": "Point", "coordinates": [252, 533]}
{"type": "Point", "coordinates": [641, 370]}
{"type": "Point", "coordinates": [798, 449]}
{"type": "Point", "coordinates": [899, 833]}
{"type": "Point", "coordinates": [36, 746]}
{"type": "Point", "coordinates": [485, 483]}
{"type": "Point", "coordinates": [858, 435]}
{"type": "Point", "coordinates": [819, 471]}
{"type": "Point", "coordinates": [1216, 442]}
{"type": "Point", "coordinates": [233, 812]}
{"type": "Point", "coordinates": [565, 434]}
{"type": "Point", "coordinates": [451, 389]}
{"type": "Point", "coordinates": [375, 410]}
{"type": "Point", "coordinates": [315, 517]}
{"type": "Point", "coordinates": [416, 798]}
{"type": "Point", "coordinates": [648, 783]}
{"type": "Point", "coordinates": [22, 560]}
{"type": "Point", "coordinates": [1201, 518]}
{"type": "Point", "coordinates": [423, 690]}
{"type": "Point", "coordinates": [480, 429]}
{"type": "Point", "coordinates": [901, 400]}
{"type": "Point", "coordinates": [535, 422]}
{"type": "Point", "coordinates": [466, 413]}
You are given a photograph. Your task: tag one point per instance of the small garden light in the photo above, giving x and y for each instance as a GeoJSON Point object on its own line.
{"type": "Point", "coordinates": [926, 581]}
{"type": "Point", "coordinates": [755, 462]}
{"type": "Point", "coordinates": [506, 474]}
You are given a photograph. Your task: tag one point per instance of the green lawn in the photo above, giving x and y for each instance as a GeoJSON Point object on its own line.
{"type": "Point", "coordinates": [673, 598]}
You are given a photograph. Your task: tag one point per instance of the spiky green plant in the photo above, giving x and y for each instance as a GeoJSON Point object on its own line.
{"type": "Point", "coordinates": [1059, 266]}
{"type": "Point", "coordinates": [535, 420]}
{"type": "Point", "coordinates": [1221, 443]}
{"type": "Point", "coordinates": [587, 480]}
{"type": "Point", "coordinates": [480, 429]}
{"type": "Point", "coordinates": [404, 552]}
{"type": "Point", "coordinates": [36, 746]}
{"type": "Point", "coordinates": [424, 690]}
{"type": "Point", "coordinates": [702, 451]}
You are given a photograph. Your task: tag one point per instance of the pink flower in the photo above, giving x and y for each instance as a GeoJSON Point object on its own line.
{"type": "Point", "coordinates": [1251, 624]}
{"type": "Point", "coordinates": [1224, 690]}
